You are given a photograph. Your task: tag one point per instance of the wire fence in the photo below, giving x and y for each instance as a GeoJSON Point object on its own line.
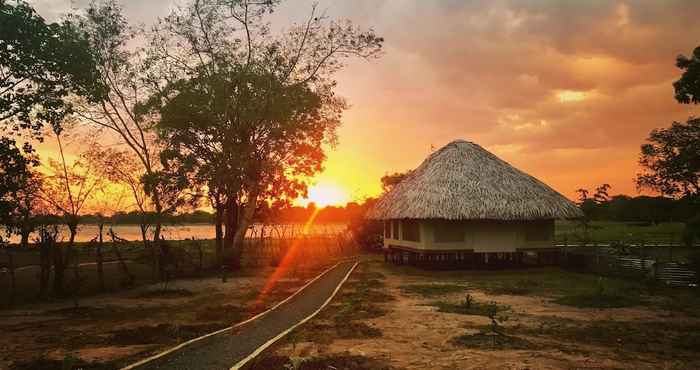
{"type": "Point", "coordinates": [115, 263]}
{"type": "Point", "coordinates": [668, 264]}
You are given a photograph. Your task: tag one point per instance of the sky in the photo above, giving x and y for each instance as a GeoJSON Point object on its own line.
{"type": "Point", "coordinates": [566, 91]}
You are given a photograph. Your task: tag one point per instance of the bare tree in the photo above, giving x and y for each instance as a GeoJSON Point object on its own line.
{"type": "Point", "coordinates": [117, 112]}
{"type": "Point", "coordinates": [66, 190]}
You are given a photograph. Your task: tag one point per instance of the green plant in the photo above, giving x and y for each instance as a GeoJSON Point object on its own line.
{"type": "Point", "coordinates": [468, 300]}
{"type": "Point", "coordinates": [295, 363]}
{"type": "Point", "coordinates": [68, 362]}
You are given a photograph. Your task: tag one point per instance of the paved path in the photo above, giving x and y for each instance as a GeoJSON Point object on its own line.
{"type": "Point", "coordinates": [222, 351]}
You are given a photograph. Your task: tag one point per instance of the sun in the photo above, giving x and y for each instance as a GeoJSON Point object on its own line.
{"type": "Point", "coordinates": [327, 194]}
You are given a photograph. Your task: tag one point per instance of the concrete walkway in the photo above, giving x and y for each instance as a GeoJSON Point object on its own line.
{"type": "Point", "coordinates": [226, 349]}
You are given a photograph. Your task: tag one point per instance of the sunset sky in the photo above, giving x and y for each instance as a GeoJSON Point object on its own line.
{"type": "Point", "coordinates": [564, 90]}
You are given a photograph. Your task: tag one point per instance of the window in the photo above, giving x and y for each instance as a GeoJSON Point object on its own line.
{"type": "Point", "coordinates": [539, 230]}
{"type": "Point", "coordinates": [449, 231]}
{"type": "Point", "coordinates": [411, 230]}
{"type": "Point", "coordinates": [395, 229]}
{"type": "Point", "coordinates": [387, 229]}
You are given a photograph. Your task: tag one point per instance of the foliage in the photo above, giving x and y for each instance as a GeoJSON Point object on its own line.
{"type": "Point", "coordinates": [40, 65]}
{"type": "Point", "coordinates": [389, 181]}
{"type": "Point", "coordinates": [672, 160]}
{"type": "Point", "coordinates": [687, 88]}
{"type": "Point", "coordinates": [248, 110]}
{"type": "Point", "coordinates": [15, 175]}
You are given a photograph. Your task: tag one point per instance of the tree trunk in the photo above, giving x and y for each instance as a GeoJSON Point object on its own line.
{"type": "Point", "coordinates": [13, 281]}
{"type": "Point", "coordinates": [128, 277]}
{"type": "Point", "coordinates": [45, 250]}
{"type": "Point", "coordinates": [73, 259]}
{"type": "Point", "coordinates": [231, 221]}
{"type": "Point", "coordinates": [157, 245]}
{"type": "Point", "coordinates": [231, 226]}
{"type": "Point", "coordinates": [59, 268]}
{"type": "Point", "coordinates": [100, 258]}
{"type": "Point", "coordinates": [245, 221]}
{"type": "Point", "coordinates": [24, 235]}
{"type": "Point", "coordinates": [219, 231]}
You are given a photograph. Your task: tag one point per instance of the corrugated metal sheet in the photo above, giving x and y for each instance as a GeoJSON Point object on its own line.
{"type": "Point", "coordinates": [675, 274]}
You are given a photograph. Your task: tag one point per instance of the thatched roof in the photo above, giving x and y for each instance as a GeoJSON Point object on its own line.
{"type": "Point", "coordinates": [464, 181]}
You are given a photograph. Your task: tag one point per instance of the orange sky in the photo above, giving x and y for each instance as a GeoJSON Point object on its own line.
{"type": "Point", "coordinates": [566, 91]}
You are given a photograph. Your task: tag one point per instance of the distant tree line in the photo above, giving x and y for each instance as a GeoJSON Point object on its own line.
{"type": "Point", "coordinates": [625, 208]}
{"type": "Point", "coordinates": [286, 215]}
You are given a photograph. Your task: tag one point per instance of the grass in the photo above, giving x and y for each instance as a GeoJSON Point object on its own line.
{"type": "Point", "coordinates": [657, 337]}
{"type": "Point", "coordinates": [492, 341]}
{"type": "Point", "coordinates": [606, 231]}
{"type": "Point", "coordinates": [343, 361]}
{"type": "Point", "coordinates": [470, 307]}
{"type": "Point", "coordinates": [563, 287]}
{"type": "Point", "coordinates": [432, 290]}
{"type": "Point", "coordinates": [356, 302]}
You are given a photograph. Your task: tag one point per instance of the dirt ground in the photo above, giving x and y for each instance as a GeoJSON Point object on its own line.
{"type": "Point", "coordinates": [377, 323]}
{"type": "Point", "coordinates": [110, 330]}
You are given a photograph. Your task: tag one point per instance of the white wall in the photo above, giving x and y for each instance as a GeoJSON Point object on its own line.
{"type": "Point", "coordinates": [484, 236]}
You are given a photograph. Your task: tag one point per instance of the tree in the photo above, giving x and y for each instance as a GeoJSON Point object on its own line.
{"type": "Point", "coordinates": [15, 174]}
{"type": "Point", "coordinates": [671, 160]}
{"type": "Point", "coordinates": [30, 209]}
{"type": "Point", "coordinates": [249, 111]}
{"type": "Point", "coordinates": [389, 181]}
{"type": "Point", "coordinates": [40, 65]}
{"type": "Point", "coordinates": [66, 191]}
{"type": "Point", "coordinates": [688, 86]}
{"type": "Point", "coordinates": [122, 74]}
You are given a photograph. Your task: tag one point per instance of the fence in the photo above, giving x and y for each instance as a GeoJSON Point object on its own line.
{"type": "Point", "coordinates": [124, 263]}
{"type": "Point", "coordinates": [632, 262]}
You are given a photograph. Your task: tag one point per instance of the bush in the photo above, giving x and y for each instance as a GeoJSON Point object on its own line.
{"type": "Point", "coordinates": [691, 232]}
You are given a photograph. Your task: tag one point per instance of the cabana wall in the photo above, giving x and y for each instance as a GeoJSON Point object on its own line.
{"type": "Point", "coordinates": [470, 243]}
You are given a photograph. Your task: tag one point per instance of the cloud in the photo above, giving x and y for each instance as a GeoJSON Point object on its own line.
{"type": "Point", "coordinates": [494, 72]}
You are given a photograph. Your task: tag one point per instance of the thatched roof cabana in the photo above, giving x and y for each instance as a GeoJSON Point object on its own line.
{"type": "Point", "coordinates": [463, 181]}
{"type": "Point", "coordinates": [467, 207]}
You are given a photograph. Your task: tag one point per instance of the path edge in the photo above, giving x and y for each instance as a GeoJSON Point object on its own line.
{"type": "Point", "coordinates": [281, 335]}
{"type": "Point", "coordinates": [220, 331]}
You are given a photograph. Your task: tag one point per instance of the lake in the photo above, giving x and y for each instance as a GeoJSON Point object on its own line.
{"type": "Point", "coordinates": [198, 231]}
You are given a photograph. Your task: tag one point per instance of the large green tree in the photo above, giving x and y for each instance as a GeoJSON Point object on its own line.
{"type": "Point", "coordinates": [248, 110]}
{"type": "Point", "coordinates": [671, 158]}
{"type": "Point", "coordinates": [688, 86]}
{"type": "Point", "coordinates": [40, 65]}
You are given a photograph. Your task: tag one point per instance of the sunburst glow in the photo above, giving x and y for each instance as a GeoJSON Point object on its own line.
{"type": "Point", "coordinates": [327, 194]}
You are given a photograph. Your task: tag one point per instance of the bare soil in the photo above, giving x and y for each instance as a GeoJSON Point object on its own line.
{"type": "Point", "coordinates": [375, 318]}
{"type": "Point", "coordinates": [111, 330]}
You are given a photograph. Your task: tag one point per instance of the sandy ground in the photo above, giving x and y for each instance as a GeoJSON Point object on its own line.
{"type": "Point", "coordinates": [416, 336]}
{"type": "Point", "coordinates": [118, 328]}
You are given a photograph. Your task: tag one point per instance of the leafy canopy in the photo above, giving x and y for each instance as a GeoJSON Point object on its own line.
{"type": "Point", "coordinates": [688, 86]}
{"type": "Point", "coordinates": [40, 65]}
{"type": "Point", "coordinates": [671, 160]}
